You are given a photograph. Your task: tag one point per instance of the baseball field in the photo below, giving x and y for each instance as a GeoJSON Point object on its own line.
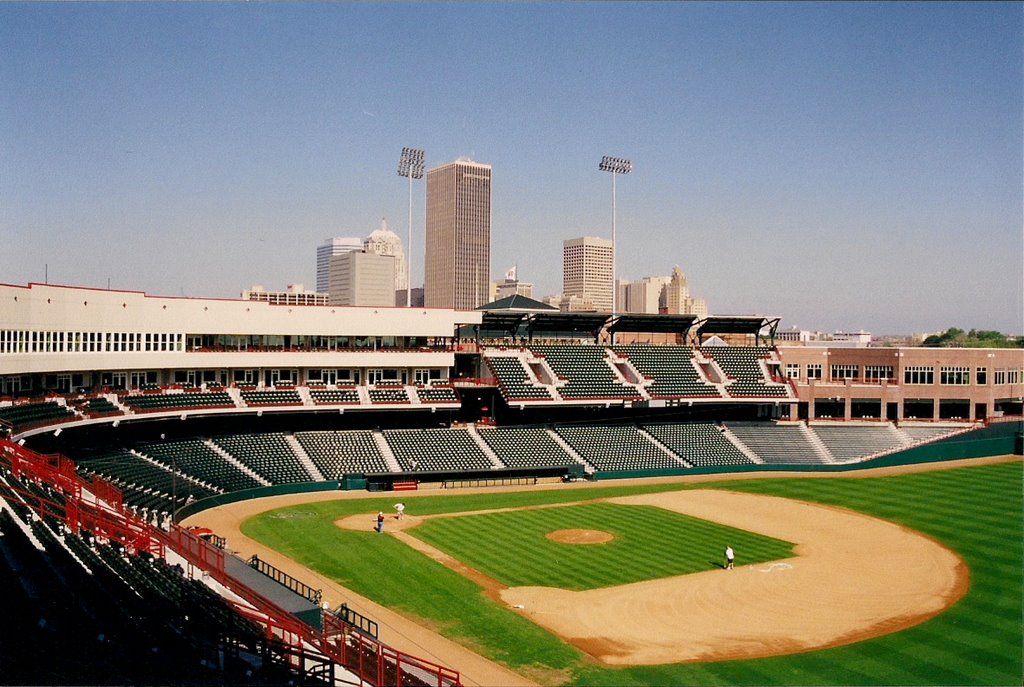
{"type": "Point", "coordinates": [885, 578]}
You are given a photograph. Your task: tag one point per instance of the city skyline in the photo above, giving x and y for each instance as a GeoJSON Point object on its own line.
{"type": "Point", "coordinates": [842, 166]}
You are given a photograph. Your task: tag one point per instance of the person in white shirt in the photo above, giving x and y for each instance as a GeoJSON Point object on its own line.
{"type": "Point", "coordinates": [730, 557]}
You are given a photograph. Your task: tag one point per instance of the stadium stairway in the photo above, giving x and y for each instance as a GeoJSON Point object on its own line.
{"type": "Point", "coordinates": [386, 452]}
{"type": "Point", "coordinates": [819, 445]}
{"type": "Point", "coordinates": [304, 459]}
{"type": "Point", "coordinates": [488, 451]}
{"type": "Point", "coordinates": [663, 448]}
{"type": "Point", "coordinates": [303, 392]}
{"type": "Point", "coordinates": [216, 448]}
{"type": "Point", "coordinates": [557, 438]}
{"type": "Point", "coordinates": [743, 448]}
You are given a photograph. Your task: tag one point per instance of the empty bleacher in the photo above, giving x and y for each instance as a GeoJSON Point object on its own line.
{"type": "Point", "coordinates": [268, 455]}
{"type": "Point", "coordinates": [335, 396]}
{"type": "Point", "coordinates": [337, 454]}
{"type": "Point", "coordinates": [586, 371]}
{"type": "Point", "coordinates": [436, 450]}
{"type": "Point", "coordinates": [701, 444]}
{"type": "Point", "coordinates": [89, 613]}
{"type": "Point", "coordinates": [202, 462]}
{"type": "Point", "coordinates": [616, 448]}
{"type": "Point", "coordinates": [145, 486]}
{"type": "Point", "coordinates": [271, 397]}
{"type": "Point", "coordinates": [920, 433]}
{"type": "Point", "coordinates": [777, 444]}
{"type": "Point", "coordinates": [385, 395]}
{"type": "Point", "coordinates": [852, 442]}
{"type": "Point", "coordinates": [525, 447]}
{"type": "Point", "coordinates": [28, 415]}
{"type": "Point", "coordinates": [671, 370]}
{"type": "Point", "coordinates": [514, 379]}
{"type": "Point", "coordinates": [437, 394]}
{"type": "Point", "coordinates": [742, 365]}
{"type": "Point", "coordinates": [185, 400]}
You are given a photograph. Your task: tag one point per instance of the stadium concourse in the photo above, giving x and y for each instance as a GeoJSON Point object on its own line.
{"type": "Point", "coordinates": [125, 413]}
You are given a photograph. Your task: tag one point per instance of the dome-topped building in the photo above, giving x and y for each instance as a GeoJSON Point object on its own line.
{"type": "Point", "coordinates": [383, 241]}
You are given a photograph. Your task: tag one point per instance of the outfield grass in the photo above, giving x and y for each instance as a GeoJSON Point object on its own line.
{"type": "Point", "coordinates": [976, 511]}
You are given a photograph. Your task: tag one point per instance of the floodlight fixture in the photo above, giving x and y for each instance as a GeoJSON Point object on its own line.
{"type": "Point", "coordinates": [410, 165]}
{"type": "Point", "coordinates": [616, 166]}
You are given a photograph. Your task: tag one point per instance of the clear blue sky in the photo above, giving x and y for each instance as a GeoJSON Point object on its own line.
{"type": "Point", "coordinates": [842, 166]}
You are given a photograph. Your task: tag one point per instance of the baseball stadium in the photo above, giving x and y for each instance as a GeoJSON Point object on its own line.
{"type": "Point", "coordinates": [205, 491]}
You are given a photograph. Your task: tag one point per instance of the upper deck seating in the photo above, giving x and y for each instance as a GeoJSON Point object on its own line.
{"type": "Point", "coordinates": [337, 454]}
{"type": "Point", "coordinates": [186, 400]}
{"type": "Point", "coordinates": [616, 448]}
{"type": "Point", "coordinates": [436, 450]}
{"type": "Point", "coordinates": [777, 444]}
{"type": "Point", "coordinates": [268, 455]}
{"type": "Point", "coordinates": [671, 369]}
{"type": "Point", "coordinates": [334, 396]}
{"type": "Point", "coordinates": [525, 447]}
{"type": "Point", "coordinates": [586, 371]}
{"type": "Point", "coordinates": [437, 394]}
{"type": "Point", "coordinates": [700, 444]}
{"type": "Point", "coordinates": [513, 379]}
{"type": "Point", "coordinates": [741, 364]}
{"type": "Point", "coordinates": [394, 394]}
{"type": "Point", "coordinates": [271, 397]}
{"type": "Point", "coordinates": [28, 415]}
{"type": "Point", "coordinates": [195, 458]}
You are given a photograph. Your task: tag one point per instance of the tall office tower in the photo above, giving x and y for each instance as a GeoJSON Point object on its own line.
{"type": "Point", "coordinates": [383, 241]}
{"type": "Point", "coordinates": [325, 250]}
{"type": "Point", "coordinates": [458, 240]}
{"type": "Point", "coordinates": [360, 277]}
{"type": "Point", "coordinates": [677, 297]}
{"type": "Point", "coordinates": [643, 296]}
{"type": "Point", "coordinates": [587, 271]}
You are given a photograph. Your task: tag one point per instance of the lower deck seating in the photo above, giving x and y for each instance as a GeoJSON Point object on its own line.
{"type": "Point", "coordinates": [524, 447]}
{"type": "Point", "coordinates": [203, 462]}
{"type": "Point", "coordinates": [777, 444]}
{"type": "Point", "coordinates": [616, 448]}
{"type": "Point", "coordinates": [337, 454]}
{"type": "Point", "coordinates": [436, 450]}
{"type": "Point", "coordinates": [145, 486]}
{"type": "Point", "coordinates": [701, 444]}
{"type": "Point", "coordinates": [268, 455]}
{"type": "Point", "coordinates": [848, 443]}
{"type": "Point", "coordinates": [84, 613]}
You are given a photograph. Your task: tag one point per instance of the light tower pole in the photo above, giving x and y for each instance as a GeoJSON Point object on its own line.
{"type": "Point", "coordinates": [410, 165]}
{"type": "Point", "coordinates": [615, 165]}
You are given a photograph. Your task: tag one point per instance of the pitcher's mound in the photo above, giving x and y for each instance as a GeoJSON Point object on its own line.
{"type": "Point", "coordinates": [580, 536]}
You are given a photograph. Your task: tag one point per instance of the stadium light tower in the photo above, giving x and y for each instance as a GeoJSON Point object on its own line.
{"type": "Point", "coordinates": [615, 165]}
{"type": "Point", "coordinates": [410, 165]}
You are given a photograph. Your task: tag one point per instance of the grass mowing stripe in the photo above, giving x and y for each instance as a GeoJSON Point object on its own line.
{"type": "Point", "coordinates": [649, 543]}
